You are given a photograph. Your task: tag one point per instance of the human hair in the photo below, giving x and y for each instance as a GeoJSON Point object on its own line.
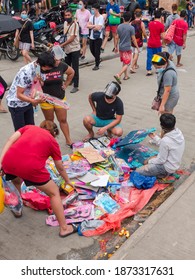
{"type": "Point", "coordinates": [96, 6]}
{"type": "Point", "coordinates": [68, 11]}
{"type": "Point", "coordinates": [167, 122]}
{"type": "Point", "coordinates": [126, 16]}
{"type": "Point", "coordinates": [157, 14]}
{"type": "Point", "coordinates": [138, 13]}
{"type": "Point", "coordinates": [51, 127]}
{"type": "Point", "coordinates": [183, 13]}
{"type": "Point", "coordinates": [24, 10]}
{"type": "Point", "coordinates": [46, 59]}
{"type": "Point", "coordinates": [160, 58]}
{"type": "Point", "coordinates": [174, 7]}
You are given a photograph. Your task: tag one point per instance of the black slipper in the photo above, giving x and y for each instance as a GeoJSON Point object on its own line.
{"type": "Point", "coordinates": [17, 214]}
{"type": "Point", "coordinates": [70, 145]}
{"type": "Point", "coordinates": [75, 229]}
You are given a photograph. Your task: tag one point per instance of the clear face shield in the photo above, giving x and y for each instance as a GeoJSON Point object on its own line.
{"type": "Point", "coordinates": [111, 90]}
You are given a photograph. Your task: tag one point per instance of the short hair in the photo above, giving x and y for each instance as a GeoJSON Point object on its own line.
{"type": "Point", "coordinates": [68, 11]}
{"type": "Point", "coordinates": [127, 16]}
{"type": "Point", "coordinates": [51, 127]}
{"type": "Point", "coordinates": [138, 13]}
{"type": "Point", "coordinates": [183, 13]}
{"type": "Point", "coordinates": [167, 121]}
{"type": "Point", "coordinates": [157, 14]}
{"type": "Point", "coordinates": [162, 58]}
{"type": "Point", "coordinates": [174, 7]}
{"type": "Point", "coordinates": [46, 59]}
{"type": "Point", "coordinates": [96, 6]}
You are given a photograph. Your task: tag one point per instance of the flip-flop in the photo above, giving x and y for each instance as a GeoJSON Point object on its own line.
{"type": "Point", "coordinates": [126, 78]}
{"type": "Point", "coordinates": [149, 74]}
{"type": "Point", "coordinates": [117, 79]}
{"type": "Point", "coordinates": [75, 229]}
{"type": "Point", "coordinates": [132, 71]}
{"type": "Point", "coordinates": [70, 145]}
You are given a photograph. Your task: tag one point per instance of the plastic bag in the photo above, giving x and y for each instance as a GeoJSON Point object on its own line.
{"type": "Point", "coordinates": [142, 182]}
{"type": "Point", "coordinates": [2, 196]}
{"type": "Point", "coordinates": [13, 199]}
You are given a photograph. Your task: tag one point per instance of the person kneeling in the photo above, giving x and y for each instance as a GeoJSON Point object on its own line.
{"type": "Point", "coordinates": [171, 148]}
{"type": "Point", "coordinates": [107, 112]}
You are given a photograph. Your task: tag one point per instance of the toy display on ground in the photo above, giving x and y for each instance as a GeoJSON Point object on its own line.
{"type": "Point", "coordinates": [107, 189]}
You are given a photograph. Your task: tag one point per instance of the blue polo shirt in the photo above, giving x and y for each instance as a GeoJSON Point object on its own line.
{"type": "Point", "coordinates": [115, 9]}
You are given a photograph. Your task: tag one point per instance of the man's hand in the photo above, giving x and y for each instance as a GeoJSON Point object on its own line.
{"type": "Point", "coordinates": [32, 46]}
{"type": "Point", "coordinates": [184, 46]}
{"type": "Point", "coordinates": [101, 130]}
{"type": "Point", "coordinates": [161, 109]}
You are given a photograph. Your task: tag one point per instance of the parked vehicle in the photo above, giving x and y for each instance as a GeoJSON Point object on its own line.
{"type": "Point", "coordinates": [7, 46]}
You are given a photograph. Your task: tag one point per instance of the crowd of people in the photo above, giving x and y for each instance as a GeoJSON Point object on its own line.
{"type": "Point", "coordinates": [48, 70]}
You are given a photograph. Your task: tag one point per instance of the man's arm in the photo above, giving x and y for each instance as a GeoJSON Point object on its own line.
{"type": "Point", "coordinates": [92, 103]}
{"type": "Point", "coordinates": [116, 121]}
{"type": "Point", "coordinates": [20, 95]}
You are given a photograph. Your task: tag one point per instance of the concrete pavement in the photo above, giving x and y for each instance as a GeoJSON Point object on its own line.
{"type": "Point", "coordinates": [29, 238]}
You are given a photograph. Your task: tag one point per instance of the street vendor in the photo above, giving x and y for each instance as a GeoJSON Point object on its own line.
{"type": "Point", "coordinates": [24, 157]}
{"type": "Point", "coordinates": [107, 112]}
{"type": "Point", "coordinates": [171, 149]}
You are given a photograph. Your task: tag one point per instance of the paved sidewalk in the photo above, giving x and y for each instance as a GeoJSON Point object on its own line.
{"type": "Point", "coordinates": [168, 234]}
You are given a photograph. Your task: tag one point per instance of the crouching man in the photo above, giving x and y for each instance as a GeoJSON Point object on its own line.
{"type": "Point", "coordinates": [107, 112]}
{"type": "Point", "coordinates": [171, 148]}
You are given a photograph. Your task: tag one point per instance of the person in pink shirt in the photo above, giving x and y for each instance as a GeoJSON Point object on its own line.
{"type": "Point", "coordinates": [83, 16]}
{"type": "Point", "coordinates": [156, 29]}
{"type": "Point", "coordinates": [179, 39]}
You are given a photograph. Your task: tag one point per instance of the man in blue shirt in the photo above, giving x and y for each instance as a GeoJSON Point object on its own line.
{"type": "Point", "coordinates": [113, 20]}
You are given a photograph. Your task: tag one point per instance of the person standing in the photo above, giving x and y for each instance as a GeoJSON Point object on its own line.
{"type": "Point", "coordinates": [95, 24]}
{"type": "Point", "coordinates": [83, 16]}
{"type": "Point", "coordinates": [24, 157]}
{"type": "Point", "coordinates": [179, 39]}
{"type": "Point", "coordinates": [140, 33]}
{"type": "Point", "coordinates": [133, 5]}
{"type": "Point", "coordinates": [125, 34]}
{"type": "Point", "coordinates": [169, 91]}
{"type": "Point", "coordinates": [26, 37]}
{"type": "Point", "coordinates": [113, 12]}
{"type": "Point", "coordinates": [156, 29]}
{"type": "Point", "coordinates": [6, 6]}
{"type": "Point", "coordinates": [172, 17]}
{"type": "Point", "coordinates": [3, 87]}
{"type": "Point", "coordinates": [54, 85]}
{"type": "Point", "coordinates": [72, 46]}
{"type": "Point", "coordinates": [189, 7]}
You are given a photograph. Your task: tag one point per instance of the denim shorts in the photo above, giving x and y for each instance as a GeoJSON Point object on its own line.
{"type": "Point", "coordinates": [151, 170]}
{"type": "Point", "coordinates": [101, 123]}
{"type": "Point", "coordinates": [174, 47]}
{"type": "Point", "coordinates": [84, 36]}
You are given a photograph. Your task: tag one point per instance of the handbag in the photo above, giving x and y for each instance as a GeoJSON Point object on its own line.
{"type": "Point", "coordinates": [17, 39]}
{"type": "Point", "coordinates": [114, 20]}
{"type": "Point", "coordinates": [63, 38]}
{"type": "Point", "coordinates": [169, 34]}
{"type": "Point", "coordinates": [96, 33]}
{"type": "Point", "coordinates": [158, 98]}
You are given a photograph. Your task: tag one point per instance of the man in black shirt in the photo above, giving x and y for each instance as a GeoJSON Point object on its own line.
{"type": "Point", "coordinates": [107, 112]}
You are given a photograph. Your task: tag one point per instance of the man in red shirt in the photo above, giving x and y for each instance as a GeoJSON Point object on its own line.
{"type": "Point", "coordinates": [179, 39]}
{"type": "Point", "coordinates": [156, 29]}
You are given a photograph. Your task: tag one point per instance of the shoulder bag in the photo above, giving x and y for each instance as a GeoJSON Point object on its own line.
{"type": "Point", "coordinates": [96, 33]}
{"type": "Point", "coordinates": [158, 98]}
{"type": "Point", "coordinates": [63, 37]}
{"type": "Point", "coordinates": [17, 39]}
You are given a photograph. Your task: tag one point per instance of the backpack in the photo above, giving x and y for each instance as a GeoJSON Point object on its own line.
{"type": "Point", "coordinates": [169, 34]}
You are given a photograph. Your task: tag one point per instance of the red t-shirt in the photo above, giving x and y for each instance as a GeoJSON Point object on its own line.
{"type": "Point", "coordinates": [27, 156]}
{"type": "Point", "coordinates": [180, 30]}
{"type": "Point", "coordinates": [156, 28]}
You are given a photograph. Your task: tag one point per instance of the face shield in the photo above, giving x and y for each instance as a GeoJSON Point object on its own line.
{"type": "Point", "coordinates": [112, 89]}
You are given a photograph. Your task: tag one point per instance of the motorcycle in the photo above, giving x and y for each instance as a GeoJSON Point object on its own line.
{"type": "Point", "coordinates": [7, 46]}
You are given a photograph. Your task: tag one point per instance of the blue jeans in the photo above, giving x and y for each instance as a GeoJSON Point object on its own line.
{"type": "Point", "coordinates": [22, 116]}
{"type": "Point", "coordinates": [189, 18]}
{"type": "Point", "coordinates": [150, 53]}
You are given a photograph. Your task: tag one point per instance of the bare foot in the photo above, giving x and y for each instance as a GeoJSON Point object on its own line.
{"type": "Point", "coordinates": [3, 110]}
{"type": "Point", "coordinates": [86, 138]}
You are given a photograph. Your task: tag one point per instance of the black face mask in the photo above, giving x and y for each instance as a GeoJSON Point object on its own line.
{"type": "Point", "coordinates": [69, 20]}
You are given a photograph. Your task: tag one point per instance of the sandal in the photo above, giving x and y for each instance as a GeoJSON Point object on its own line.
{"type": "Point", "coordinates": [75, 229]}
{"type": "Point", "coordinates": [70, 145]}
{"type": "Point", "coordinates": [126, 78]}
{"type": "Point", "coordinates": [117, 79]}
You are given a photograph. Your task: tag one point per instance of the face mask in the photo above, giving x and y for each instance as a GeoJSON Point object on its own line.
{"type": "Point", "coordinates": [160, 70]}
{"type": "Point", "coordinates": [24, 16]}
{"type": "Point", "coordinates": [80, 6]}
{"type": "Point", "coordinates": [92, 12]}
{"type": "Point", "coordinates": [69, 20]}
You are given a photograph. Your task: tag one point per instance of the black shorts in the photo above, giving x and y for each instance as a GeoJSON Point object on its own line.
{"type": "Point", "coordinates": [9, 177]}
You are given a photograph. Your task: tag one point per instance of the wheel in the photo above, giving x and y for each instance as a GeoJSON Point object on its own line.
{"type": "Point", "coordinates": [39, 48]}
{"type": "Point", "coordinates": [12, 52]}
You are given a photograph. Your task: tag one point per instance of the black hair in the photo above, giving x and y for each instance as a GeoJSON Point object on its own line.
{"type": "Point", "coordinates": [96, 6]}
{"type": "Point", "coordinates": [183, 13]}
{"type": "Point", "coordinates": [68, 11]}
{"type": "Point", "coordinates": [167, 121]}
{"type": "Point", "coordinates": [157, 14]}
{"type": "Point", "coordinates": [126, 16]}
{"type": "Point", "coordinates": [46, 59]}
{"type": "Point", "coordinates": [165, 58]}
{"type": "Point", "coordinates": [138, 13]}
